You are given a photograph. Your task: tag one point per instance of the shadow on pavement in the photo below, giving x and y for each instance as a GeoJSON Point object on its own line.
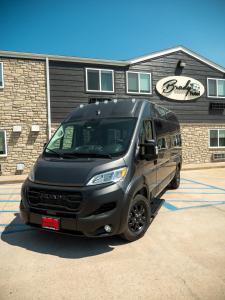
{"type": "Point", "coordinates": [66, 246]}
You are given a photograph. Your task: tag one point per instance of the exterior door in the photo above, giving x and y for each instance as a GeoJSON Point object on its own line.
{"type": "Point", "coordinates": [148, 168]}
{"type": "Point", "coordinates": [163, 161]}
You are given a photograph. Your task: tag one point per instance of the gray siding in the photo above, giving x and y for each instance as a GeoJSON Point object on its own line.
{"type": "Point", "coordinates": [68, 90]}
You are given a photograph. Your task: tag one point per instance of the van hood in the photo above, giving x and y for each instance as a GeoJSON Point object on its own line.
{"type": "Point", "coordinates": [71, 172]}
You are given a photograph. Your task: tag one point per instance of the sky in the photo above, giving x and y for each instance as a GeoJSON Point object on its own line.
{"type": "Point", "coordinates": [115, 29]}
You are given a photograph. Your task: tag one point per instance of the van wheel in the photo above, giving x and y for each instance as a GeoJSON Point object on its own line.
{"type": "Point", "coordinates": [138, 219]}
{"type": "Point", "coordinates": [175, 183]}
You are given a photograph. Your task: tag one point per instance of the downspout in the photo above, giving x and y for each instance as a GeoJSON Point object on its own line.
{"type": "Point", "coordinates": [48, 98]}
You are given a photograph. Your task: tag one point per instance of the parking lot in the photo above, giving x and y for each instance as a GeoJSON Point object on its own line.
{"type": "Point", "coordinates": [182, 255]}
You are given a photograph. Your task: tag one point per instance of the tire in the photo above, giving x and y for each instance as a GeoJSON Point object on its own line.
{"type": "Point", "coordinates": [136, 225]}
{"type": "Point", "coordinates": [175, 183]}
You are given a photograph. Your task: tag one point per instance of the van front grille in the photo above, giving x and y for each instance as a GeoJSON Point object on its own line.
{"type": "Point", "coordinates": [54, 200]}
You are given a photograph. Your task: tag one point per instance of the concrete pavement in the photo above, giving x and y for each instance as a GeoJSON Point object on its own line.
{"type": "Point", "coordinates": [181, 256]}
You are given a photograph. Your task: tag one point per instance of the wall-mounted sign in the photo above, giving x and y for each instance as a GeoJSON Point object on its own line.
{"type": "Point", "coordinates": [180, 88]}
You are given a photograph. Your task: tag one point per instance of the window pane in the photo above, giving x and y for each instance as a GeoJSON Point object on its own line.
{"type": "Point", "coordinates": [213, 138]}
{"type": "Point", "coordinates": [106, 81]}
{"type": "Point", "coordinates": [148, 130]}
{"type": "Point", "coordinates": [132, 82]}
{"type": "Point", "coordinates": [1, 75]}
{"type": "Point", "coordinates": [97, 136]}
{"type": "Point", "coordinates": [2, 143]}
{"type": "Point", "coordinates": [221, 88]}
{"type": "Point", "coordinates": [68, 137]}
{"type": "Point", "coordinates": [222, 138]}
{"type": "Point", "coordinates": [144, 83]}
{"type": "Point", "coordinates": [55, 142]}
{"type": "Point", "coordinates": [93, 80]}
{"type": "Point", "coordinates": [212, 87]}
{"type": "Point", "coordinates": [161, 143]}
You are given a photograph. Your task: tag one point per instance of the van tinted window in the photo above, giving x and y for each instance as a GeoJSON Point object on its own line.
{"type": "Point", "coordinates": [98, 136]}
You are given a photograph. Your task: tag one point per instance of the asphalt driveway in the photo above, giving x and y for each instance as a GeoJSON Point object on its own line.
{"type": "Point", "coordinates": [182, 256]}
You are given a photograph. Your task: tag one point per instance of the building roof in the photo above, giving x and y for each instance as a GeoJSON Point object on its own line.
{"type": "Point", "coordinates": [28, 55]}
{"type": "Point", "coordinates": [153, 55]}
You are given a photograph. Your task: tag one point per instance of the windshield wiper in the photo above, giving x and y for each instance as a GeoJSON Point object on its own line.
{"type": "Point", "coordinates": [55, 152]}
{"type": "Point", "coordinates": [88, 154]}
{"type": "Point", "coordinates": [79, 154]}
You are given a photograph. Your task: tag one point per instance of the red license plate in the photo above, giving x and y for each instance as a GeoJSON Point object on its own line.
{"type": "Point", "coordinates": [50, 223]}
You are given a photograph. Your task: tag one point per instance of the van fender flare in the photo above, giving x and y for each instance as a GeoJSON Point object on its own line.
{"type": "Point", "coordinates": [135, 185]}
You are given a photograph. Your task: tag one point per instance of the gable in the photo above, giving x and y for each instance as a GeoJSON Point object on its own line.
{"type": "Point", "coordinates": [175, 50]}
{"type": "Point", "coordinates": [168, 64]}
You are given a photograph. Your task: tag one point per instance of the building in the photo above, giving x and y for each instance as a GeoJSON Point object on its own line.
{"type": "Point", "coordinates": [38, 91]}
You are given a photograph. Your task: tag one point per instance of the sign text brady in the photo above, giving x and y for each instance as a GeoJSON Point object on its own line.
{"type": "Point", "coordinates": [180, 88]}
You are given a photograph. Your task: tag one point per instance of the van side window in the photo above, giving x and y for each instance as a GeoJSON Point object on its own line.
{"type": "Point", "coordinates": [148, 130]}
{"type": "Point", "coordinates": [161, 143]}
{"type": "Point", "coordinates": [68, 137]}
{"type": "Point", "coordinates": [145, 135]}
{"type": "Point", "coordinates": [176, 140]}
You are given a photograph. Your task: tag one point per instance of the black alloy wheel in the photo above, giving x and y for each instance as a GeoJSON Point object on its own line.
{"type": "Point", "coordinates": [137, 219]}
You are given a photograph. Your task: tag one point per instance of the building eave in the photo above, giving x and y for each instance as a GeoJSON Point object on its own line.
{"type": "Point", "coordinates": [26, 55]}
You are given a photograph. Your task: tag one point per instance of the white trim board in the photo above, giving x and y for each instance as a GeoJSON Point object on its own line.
{"type": "Point", "coordinates": [2, 74]}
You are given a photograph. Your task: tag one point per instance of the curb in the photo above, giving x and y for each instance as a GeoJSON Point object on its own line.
{"type": "Point", "coordinates": [11, 181]}
{"type": "Point", "coordinates": [201, 168]}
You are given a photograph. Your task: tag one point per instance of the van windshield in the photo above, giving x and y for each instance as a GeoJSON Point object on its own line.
{"type": "Point", "coordinates": [98, 137]}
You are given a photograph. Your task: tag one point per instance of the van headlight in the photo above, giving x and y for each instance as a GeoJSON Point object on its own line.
{"type": "Point", "coordinates": [107, 177]}
{"type": "Point", "coordinates": [31, 175]}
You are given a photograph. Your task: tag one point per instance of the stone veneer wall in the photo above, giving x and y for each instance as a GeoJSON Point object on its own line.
{"type": "Point", "coordinates": [23, 102]}
{"type": "Point", "coordinates": [195, 142]}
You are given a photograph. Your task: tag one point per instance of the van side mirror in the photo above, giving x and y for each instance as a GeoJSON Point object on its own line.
{"type": "Point", "coordinates": [150, 150]}
{"type": "Point", "coordinates": [44, 145]}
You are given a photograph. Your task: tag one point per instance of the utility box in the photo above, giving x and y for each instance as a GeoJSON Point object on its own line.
{"type": "Point", "coordinates": [17, 128]}
{"type": "Point", "coordinates": [35, 128]}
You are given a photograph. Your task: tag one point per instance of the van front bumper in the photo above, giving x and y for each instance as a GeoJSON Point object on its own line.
{"type": "Point", "coordinates": [100, 206]}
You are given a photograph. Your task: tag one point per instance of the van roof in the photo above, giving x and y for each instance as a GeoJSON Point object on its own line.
{"type": "Point", "coordinates": [115, 108]}
{"type": "Point", "coordinates": [118, 108]}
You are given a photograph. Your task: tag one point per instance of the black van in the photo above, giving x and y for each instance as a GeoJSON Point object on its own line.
{"type": "Point", "coordinates": [104, 170]}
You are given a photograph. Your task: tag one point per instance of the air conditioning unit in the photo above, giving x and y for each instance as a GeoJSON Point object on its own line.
{"type": "Point", "coordinates": [218, 156]}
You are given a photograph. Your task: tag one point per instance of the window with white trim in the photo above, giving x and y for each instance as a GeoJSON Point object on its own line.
{"type": "Point", "coordinates": [139, 83]}
{"type": "Point", "coordinates": [99, 80]}
{"type": "Point", "coordinates": [216, 87]}
{"type": "Point", "coordinates": [3, 147]}
{"type": "Point", "coordinates": [1, 75]}
{"type": "Point", "coordinates": [217, 138]}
